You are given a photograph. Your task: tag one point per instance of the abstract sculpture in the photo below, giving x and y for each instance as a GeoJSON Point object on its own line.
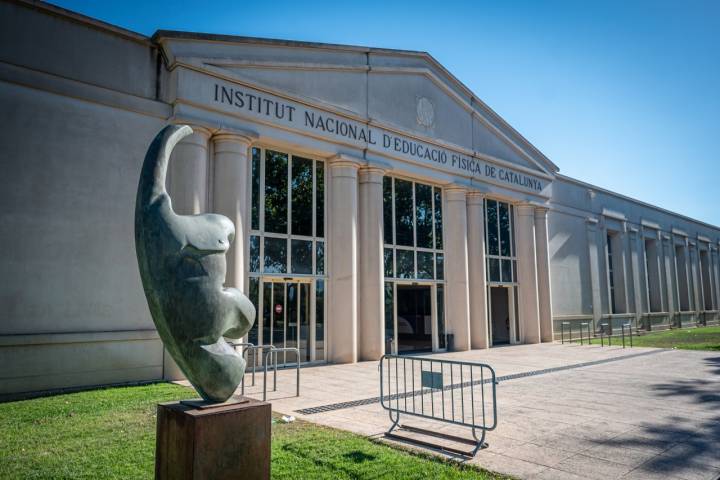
{"type": "Point", "coordinates": [182, 266]}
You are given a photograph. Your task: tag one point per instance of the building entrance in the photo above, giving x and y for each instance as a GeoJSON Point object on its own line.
{"type": "Point", "coordinates": [286, 317]}
{"type": "Point", "coordinates": [414, 318]}
{"type": "Point", "coordinates": [500, 315]}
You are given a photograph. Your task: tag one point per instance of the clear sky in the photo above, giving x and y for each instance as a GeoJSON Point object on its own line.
{"type": "Point", "coordinates": [621, 94]}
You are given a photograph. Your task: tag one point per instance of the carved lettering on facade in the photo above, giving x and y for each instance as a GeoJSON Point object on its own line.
{"type": "Point", "coordinates": [380, 140]}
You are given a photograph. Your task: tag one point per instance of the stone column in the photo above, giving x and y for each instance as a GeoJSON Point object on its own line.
{"type": "Point", "coordinates": [543, 274]}
{"type": "Point", "coordinates": [188, 188]}
{"type": "Point", "coordinates": [671, 281]}
{"type": "Point", "coordinates": [371, 322]}
{"type": "Point", "coordinates": [635, 267]}
{"type": "Point", "coordinates": [231, 199]}
{"type": "Point", "coordinates": [456, 267]}
{"type": "Point", "coordinates": [527, 274]}
{"type": "Point", "coordinates": [696, 288]}
{"type": "Point", "coordinates": [188, 184]}
{"type": "Point", "coordinates": [594, 261]}
{"type": "Point", "coordinates": [476, 271]}
{"type": "Point", "coordinates": [342, 248]}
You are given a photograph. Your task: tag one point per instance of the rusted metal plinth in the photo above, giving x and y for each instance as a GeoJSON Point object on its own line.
{"type": "Point", "coordinates": [222, 441]}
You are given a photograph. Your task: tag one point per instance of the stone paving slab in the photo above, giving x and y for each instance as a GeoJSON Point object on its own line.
{"type": "Point", "coordinates": [635, 417]}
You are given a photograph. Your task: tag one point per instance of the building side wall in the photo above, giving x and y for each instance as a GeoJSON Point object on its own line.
{"type": "Point", "coordinates": [72, 307]}
{"type": "Point", "coordinates": [581, 217]}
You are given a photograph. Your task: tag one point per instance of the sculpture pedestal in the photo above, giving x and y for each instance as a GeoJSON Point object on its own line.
{"type": "Point", "coordinates": [196, 440]}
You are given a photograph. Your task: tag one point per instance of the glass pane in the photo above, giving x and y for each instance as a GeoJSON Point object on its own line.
{"type": "Point", "coordinates": [504, 218]}
{"type": "Point", "coordinates": [403, 213]}
{"type": "Point", "coordinates": [425, 265]}
{"type": "Point", "coordinates": [275, 255]}
{"type": "Point", "coordinates": [304, 323]}
{"type": "Point", "coordinates": [514, 270]}
{"type": "Point", "coordinates": [320, 199]}
{"type": "Point", "coordinates": [437, 201]}
{"type": "Point", "coordinates": [255, 185]}
{"type": "Point", "coordinates": [276, 195]}
{"type": "Point", "coordinates": [301, 256]}
{"type": "Point", "coordinates": [491, 227]}
{"type": "Point", "coordinates": [320, 320]}
{"type": "Point", "coordinates": [387, 210]}
{"type": "Point", "coordinates": [291, 320]}
{"type": "Point", "coordinates": [441, 316]}
{"type": "Point", "coordinates": [405, 263]}
{"type": "Point", "coordinates": [320, 258]}
{"type": "Point", "coordinates": [302, 185]}
{"type": "Point", "coordinates": [254, 290]}
{"type": "Point", "coordinates": [506, 271]}
{"type": "Point", "coordinates": [388, 261]}
{"type": "Point", "coordinates": [254, 253]}
{"type": "Point", "coordinates": [278, 315]}
{"type": "Point", "coordinates": [423, 216]}
{"type": "Point", "coordinates": [266, 314]}
{"type": "Point", "coordinates": [389, 323]}
{"type": "Point", "coordinates": [512, 232]}
{"type": "Point", "coordinates": [493, 269]}
{"type": "Point", "coordinates": [439, 266]}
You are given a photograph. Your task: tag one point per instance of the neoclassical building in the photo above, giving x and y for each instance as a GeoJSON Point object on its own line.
{"type": "Point", "coordinates": [379, 204]}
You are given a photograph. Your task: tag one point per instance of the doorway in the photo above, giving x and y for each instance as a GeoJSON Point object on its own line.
{"type": "Point", "coordinates": [500, 315]}
{"type": "Point", "coordinates": [287, 314]}
{"type": "Point", "coordinates": [414, 318]}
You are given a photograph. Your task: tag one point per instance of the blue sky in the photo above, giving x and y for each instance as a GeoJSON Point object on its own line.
{"type": "Point", "coordinates": [624, 95]}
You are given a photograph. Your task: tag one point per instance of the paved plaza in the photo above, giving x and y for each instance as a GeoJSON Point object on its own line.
{"type": "Point", "coordinates": [631, 413]}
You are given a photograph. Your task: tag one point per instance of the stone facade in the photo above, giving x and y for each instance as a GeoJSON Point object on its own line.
{"type": "Point", "coordinates": [82, 100]}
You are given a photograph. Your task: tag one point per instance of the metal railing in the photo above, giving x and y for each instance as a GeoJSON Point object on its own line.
{"type": "Point", "coordinates": [585, 326]}
{"type": "Point", "coordinates": [252, 351]}
{"type": "Point", "coordinates": [449, 391]}
{"type": "Point", "coordinates": [605, 332]}
{"type": "Point", "coordinates": [274, 352]}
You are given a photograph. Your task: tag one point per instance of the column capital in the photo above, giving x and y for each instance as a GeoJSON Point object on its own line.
{"type": "Point", "coordinates": [541, 211]}
{"type": "Point", "coordinates": [241, 137]}
{"type": "Point", "coordinates": [475, 197]}
{"type": "Point", "coordinates": [343, 160]}
{"type": "Point", "coordinates": [525, 209]}
{"type": "Point", "coordinates": [455, 193]}
{"type": "Point", "coordinates": [197, 129]}
{"type": "Point", "coordinates": [371, 174]}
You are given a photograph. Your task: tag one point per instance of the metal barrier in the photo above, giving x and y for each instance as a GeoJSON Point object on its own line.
{"type": "Point", "coordinates": [604, 326]}
{"type": "Point", "coordinates": [275, 351]}
{"type": "Point", "coordinates": [449, 391]}
{"type": "Point", "coordinates": [583, 327]}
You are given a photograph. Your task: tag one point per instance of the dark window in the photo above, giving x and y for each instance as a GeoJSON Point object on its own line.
{"type": "Point", "coordinates": [276, 194]}
{"type": "Point", "coordinates": [425, 265]}
{"type": "Point", "coordinates": [302, 196]}
{"type": "Point", "coordinates": [255, 210]}
{"type": "Point", "coordinates": [320, 258]}
{"type": "Point", "coordinates": [388, 262]}
{"type": "Point", "coordinates": [301, 256]}
{"type": "Point", "coordinates": [405, 263]}
{"type": "Point", "coordinates": [275, 255]}
{"type": "Point", "coordinates": [387, 210]}
{"type": "Point", "coordinates": [403, 213]}
{"type": "Point", "coordinates": [492, 228]}
{"type": "Point", "coordinates": [438, 219]}
{"type": "Point", "coordinates": [424, 215]}
{"type": "Point", "coordinates": [320, 199]}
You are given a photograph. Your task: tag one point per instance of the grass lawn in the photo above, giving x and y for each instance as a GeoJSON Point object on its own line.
{"type": "Point", "coordinates": [110, 433]}
{"type": "Point", "coordinates": [702, 338]}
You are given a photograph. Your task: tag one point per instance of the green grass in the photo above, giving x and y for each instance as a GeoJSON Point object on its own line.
{"type": "Point", "coordinates": [702, 338]}
{"type": "Point", "coordinates": [110, 433]}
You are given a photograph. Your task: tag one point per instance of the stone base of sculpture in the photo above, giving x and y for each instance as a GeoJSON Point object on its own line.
{"type": "Point", "coordinates": [199, 440]}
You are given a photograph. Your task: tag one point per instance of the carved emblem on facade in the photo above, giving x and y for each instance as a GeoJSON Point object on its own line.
{"type": "Point", "coordinates": [425, 112]}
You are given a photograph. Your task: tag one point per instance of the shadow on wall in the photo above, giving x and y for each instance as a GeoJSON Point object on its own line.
{"type": "Point", "coordinates": [684, 441]}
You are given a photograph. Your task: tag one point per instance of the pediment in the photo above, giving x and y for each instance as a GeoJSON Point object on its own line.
{"type": "Point", "coordinates": [404, 91]}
